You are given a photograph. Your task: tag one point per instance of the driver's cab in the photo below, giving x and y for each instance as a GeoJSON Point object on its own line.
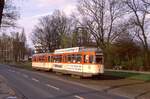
{"type": "Point", "coordinates": [99, 59]}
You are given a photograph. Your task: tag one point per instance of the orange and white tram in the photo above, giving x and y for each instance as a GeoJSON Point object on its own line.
{"type": "Point", "coordinates": [77, 60]}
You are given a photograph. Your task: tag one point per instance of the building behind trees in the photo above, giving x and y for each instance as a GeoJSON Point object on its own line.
{"type": "Point", "coordinates": [13, 48]}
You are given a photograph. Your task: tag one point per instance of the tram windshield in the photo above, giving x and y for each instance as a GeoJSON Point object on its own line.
{"type": "Point", "coordinates": [99, 59]}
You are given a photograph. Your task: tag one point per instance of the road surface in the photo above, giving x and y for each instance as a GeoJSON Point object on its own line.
{"type": "Point", "coordinates": [33, 85]}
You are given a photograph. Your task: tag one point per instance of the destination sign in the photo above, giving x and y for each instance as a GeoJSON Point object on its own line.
{"type": "Point", "coordinates": [75, 49]}
{"type": "Point", "coordinates": [67, 50]}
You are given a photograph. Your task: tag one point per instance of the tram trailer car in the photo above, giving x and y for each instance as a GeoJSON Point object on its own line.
{"type": "Point", "coordinates": [41, 62]}
{"type": "Point", "coordinates": [80, 61]}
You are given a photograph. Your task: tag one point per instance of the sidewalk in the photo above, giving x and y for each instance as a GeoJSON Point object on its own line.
{"type": "Point", "coordinates": [133, 89]}
{"type": "Point", "coordinates": [5, 91]}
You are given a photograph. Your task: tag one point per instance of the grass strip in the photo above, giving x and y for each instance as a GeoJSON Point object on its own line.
{"type": "Point", "coordinates": [128, 75]}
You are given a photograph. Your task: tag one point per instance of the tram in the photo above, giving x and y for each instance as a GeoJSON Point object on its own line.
{"type": "Point", "coordinates": [80, 61]}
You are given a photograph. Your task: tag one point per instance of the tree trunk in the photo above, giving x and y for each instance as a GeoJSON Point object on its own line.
{"type": "Point", "coordinates": [146, 59]}
{"type": "Point", "coordinates": [146, 49]}
{"type": "Point", "coordinates": [2, 3]}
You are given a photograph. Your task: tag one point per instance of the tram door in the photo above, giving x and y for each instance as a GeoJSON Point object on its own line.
{"type": "Point", "coordinates": [86, 66]}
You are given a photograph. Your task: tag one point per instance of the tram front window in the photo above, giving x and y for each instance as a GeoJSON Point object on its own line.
{"type": "Point", "coordinates": [99, 59]}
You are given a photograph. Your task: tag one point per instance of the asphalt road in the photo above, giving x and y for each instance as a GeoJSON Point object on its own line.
{"type": "Point", "coordinates": [33, 85]}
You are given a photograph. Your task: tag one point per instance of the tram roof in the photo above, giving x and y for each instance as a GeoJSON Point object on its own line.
{"type": "Point", "coordinates": [71, 50]}
{"type": "Point", "coordinates": [40, 54]}
{"type": "Point", "coordinates": [76, 49]}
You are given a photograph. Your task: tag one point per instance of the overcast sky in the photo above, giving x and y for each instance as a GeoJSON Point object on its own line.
{"type": "Point", "coordinates": [32, 10]}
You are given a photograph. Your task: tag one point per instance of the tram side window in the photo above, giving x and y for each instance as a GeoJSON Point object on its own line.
{"type": "Point", "coordinates": [73, 58]}
{"type": "Point", "coordinates": [33, 59]}
{"type": "Point", "coordinates": [91, 59]}
{"type": "Point", "coordinates": [79, 58]}
{"type": "Point", "coordinates": [52, 59]}
{"type": "Point", "coordinates": [86, 58]}
{"type": "Point", "coordinates": [99, 59]}
{"type": "Point", "coordinates": [43, 58]}
{"type": "Point", "coordinates": [58, 59]}
{"type": "Point", "coordinates": [49, 58]}
{"type": "Point", "coordinates": [39, 58]}
{"type": "Point", "coordinates": [69, 58]}
{"type": "Point", "coordinates": [65, 59]}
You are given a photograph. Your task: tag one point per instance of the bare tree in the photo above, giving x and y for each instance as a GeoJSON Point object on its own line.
{"type": "Point", "coordinates": [12, 47]}
{"type": "Point", "coordinates": [22, 46]}
{"type": "Point", "coordinates": [19, 46]}
{"type": "Point", "coordinates": [81, 37]}
{"type": "Point", "coordinates": [52, 31]}
{"type": "Point", "coordinates": [146, 1]}
{"type": "Point", "coordinates": [2, 3]}
{"type": "Point", "coordinates": [102, 18]}
{"type": "Point", "coordinates": [9, 14]}
{"type": "Point", "coordinates": [63, 27]}
{"type": "Point", "coordinates": [139, 11]}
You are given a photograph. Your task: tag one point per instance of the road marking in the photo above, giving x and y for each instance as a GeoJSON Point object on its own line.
{"type": "Point", "coordinates": [78, 97]}
{"type": "Point", "coordinates": [56, 88]}
{"type": "Point", "coordinates": [24, 75]}
{"type": "Point", "coordinates": [17, 72]}
{"type": "Point", "coordinates": [9, 70]}
{"type": "Point", "coordinates": [13, 71]}
{"type": "Point", "coordinates": [11, 97]}
{"type": "Point", "coordinates": [35, 80]}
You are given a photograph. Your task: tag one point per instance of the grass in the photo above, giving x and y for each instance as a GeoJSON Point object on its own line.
{"type": "Point", "coordinates": [128, 75]}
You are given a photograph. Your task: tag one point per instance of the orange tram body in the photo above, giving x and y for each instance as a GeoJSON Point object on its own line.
{"type": "Point", "coordinates": [80, 61]}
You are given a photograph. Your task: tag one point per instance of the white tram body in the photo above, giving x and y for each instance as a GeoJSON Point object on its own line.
{"type": "Point", "coordinates": [77, 60]}
{"type": "Point", "coordinates": [39, 62]}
